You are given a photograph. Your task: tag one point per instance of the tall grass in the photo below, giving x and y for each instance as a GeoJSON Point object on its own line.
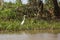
{"type": "Point", "coordinates": [14, 25]}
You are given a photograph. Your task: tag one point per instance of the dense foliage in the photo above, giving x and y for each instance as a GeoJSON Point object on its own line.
{"type": "Point", "coordinates": [11, 15]}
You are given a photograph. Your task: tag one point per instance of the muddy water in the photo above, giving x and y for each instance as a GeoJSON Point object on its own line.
{"type": "Point", "coordinates": [25, 36]}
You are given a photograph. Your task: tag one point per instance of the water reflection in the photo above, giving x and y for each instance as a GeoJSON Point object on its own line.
{"type": "Point", "coordinates": [24, 36]}
{"type": "Point", "coordinates": [45, 36]}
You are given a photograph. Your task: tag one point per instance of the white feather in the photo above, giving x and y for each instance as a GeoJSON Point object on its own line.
{"type": "Point", "coordinates": [23, 20]}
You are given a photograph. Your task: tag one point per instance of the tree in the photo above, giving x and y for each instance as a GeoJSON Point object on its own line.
{"type": "Point", "coordinates": [18, 2]}
{"type": "Point", "coordinates": [56, 8]}
{"type": "Point", "coordinates": [37, 4]}
{"type": "Point", "coordinates": [48, 4]}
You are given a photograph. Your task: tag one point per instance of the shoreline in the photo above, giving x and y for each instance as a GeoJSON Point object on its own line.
{"type": "Point", "coordinates": [31, 31]}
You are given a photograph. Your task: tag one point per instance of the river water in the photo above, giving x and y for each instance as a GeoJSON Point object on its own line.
{"type": "Point", "coordinates": [27, 36]}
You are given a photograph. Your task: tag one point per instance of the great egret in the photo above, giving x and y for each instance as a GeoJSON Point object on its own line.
{"type": "Point", "coordinates": [23, 20]}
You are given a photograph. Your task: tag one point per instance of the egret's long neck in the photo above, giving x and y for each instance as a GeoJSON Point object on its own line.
{"type": "Point", "coordinates": [24, 17]}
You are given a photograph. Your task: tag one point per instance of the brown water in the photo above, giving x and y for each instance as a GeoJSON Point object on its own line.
{"type": "Point", "coordinates": [26, 36]}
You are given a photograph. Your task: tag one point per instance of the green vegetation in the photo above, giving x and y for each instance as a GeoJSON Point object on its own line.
{"type": "Point", "coordinates": [14, 25]}
{"type": "Point", "coordinates": [36, 18]}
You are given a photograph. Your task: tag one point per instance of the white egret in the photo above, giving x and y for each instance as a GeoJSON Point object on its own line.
{"type": "Point", "coordinates": [23, 20]}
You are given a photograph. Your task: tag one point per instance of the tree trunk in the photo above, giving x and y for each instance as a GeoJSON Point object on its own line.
{"type": "Point", "coordinates": [40, 4]}
{"type": "Point", "coordinates": [56, 8]}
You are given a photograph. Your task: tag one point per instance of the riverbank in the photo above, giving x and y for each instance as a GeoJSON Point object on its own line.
{"type": "Point", "coordinates": [31, 31]}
